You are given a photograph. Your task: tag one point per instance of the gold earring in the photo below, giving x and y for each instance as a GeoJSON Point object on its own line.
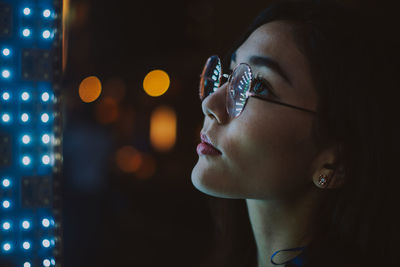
{"type": "Point", "coordinates": [323, 180]}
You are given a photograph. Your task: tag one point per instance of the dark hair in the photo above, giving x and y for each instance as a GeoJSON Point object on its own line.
{"type": "Point", "coordinates": [350, 52]}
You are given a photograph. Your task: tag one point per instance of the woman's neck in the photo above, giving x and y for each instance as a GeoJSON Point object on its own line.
{"type": "Point", "coordinates": [282, 225]}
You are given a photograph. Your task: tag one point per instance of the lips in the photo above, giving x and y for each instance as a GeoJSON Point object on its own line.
{"type": "Point", "coordinates": [206, 146]}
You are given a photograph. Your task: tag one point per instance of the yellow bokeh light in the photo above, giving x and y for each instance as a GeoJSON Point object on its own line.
{"type": "Point", "coordinates": [90, 89]}
{"type": "Point", "coordinates": [163, 128]}
{"type": "Point", "coordinates": [156, 83]}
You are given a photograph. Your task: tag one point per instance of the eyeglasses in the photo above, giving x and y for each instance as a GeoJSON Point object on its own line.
{"type": "Point", "coordinates": [241, 85]}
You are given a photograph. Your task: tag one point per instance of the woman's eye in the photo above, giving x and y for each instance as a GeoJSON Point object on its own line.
{"type": "Point", "coordinates": [262, 88]}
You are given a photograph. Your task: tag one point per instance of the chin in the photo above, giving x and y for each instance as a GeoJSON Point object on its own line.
{"type": "Point", "coordinates": [213, 184]}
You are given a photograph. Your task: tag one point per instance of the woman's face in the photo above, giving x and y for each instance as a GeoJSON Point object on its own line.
{"type": "Point", "coordinates": [267, 151]}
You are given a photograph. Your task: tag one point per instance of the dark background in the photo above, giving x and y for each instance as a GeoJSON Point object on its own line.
{"type": "Point", "coordinates": [113, 218]}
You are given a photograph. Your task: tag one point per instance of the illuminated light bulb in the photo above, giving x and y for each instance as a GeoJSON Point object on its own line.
{"type": "Point", "coordinates": [26, 32]}
{"type": "Point", "coordinates": [46, 159]}
{"type": "Point", "coordinates": [46, 34]}
{"type": "Point", "coordinates": [26, 139]}
{"type": "Point", "coordinates": [45, 97]}
{"type": "Point", "coordinates": [90, 89]}
{"type": "Point", "coordinates": [45, 222]}
{"type": "Point", "coordinates": [7, 246]}
{"type": "Point", "coordinates": [5, 117]}
{"type": "Point", "coordinates": [46, 263]}
{"type": "Point", "coordinates": [44, 117]}
{"type": "Point", "coordinates": [6, 226]}
{"type": "Point", "coordinates": [27, 11]}
{"type": "Point", "coordinates": [6, 96]}
{"type": "Point", "coordinates": [6, 182]}
{"type": "Point", "coordinates": [26, 160]}
{"type": "Point", "coordinates": [26, 224]}
{"type": "Point", "coordinates": [6, 52]}
{"type": "Point", "coordinates": [25, 96]}
{"type": "Point", "coordinates": [45, 138]}
{"type": "Point", "coordinates": [46, 243]}
{"type": "Point", "coordinates": [6, 204]}
{"type": "Point", "coordinates": [24, 117]}
{"type": "Point", "coordinates": [156, 83]}
{"type": "Point", "coordinates": [26, 245]}
{"type": "Point", "coordinates": [27, 264]}
{"type": "Point", "coordinates": [6, 74]}
{"type": "Point", "coordinates": [46, 13]}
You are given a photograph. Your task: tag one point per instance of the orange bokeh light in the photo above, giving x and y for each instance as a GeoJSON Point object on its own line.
{"type": "Point", "coordinates": [147, 168]}
{"type": "Point", "coordinates": [128, 159]}
{"type": "Point", "coordinates": [156, 83]}
{"type": "Point", "coordinates": [163, 128]}
{"type": "Point", "coordinates": [90, 89]}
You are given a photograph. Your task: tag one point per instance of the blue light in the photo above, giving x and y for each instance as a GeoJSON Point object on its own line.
{"type": "Point", "coordinates": [45, 97]}
{"type": "Point", "coordinates": [44, 117]}
{"type": "Point", "coordinates": [6, 183]}
{"type": "Point", "coordinates": [26, 160]}
{"type": "Point", "coordinates": [26, 224]}
{"type": "Point", "coordinates": [26, 32]}
{"type": "Point", "coordinates": [46, 263]}
{"type": "Point", "coordinates": [46, 34]}
{"type": "Point", "coordinates": [25, 96]}
{"type": "Point", "coordinates": [6, 96]}
{"type": "Point", "coordinates": [46, 13]}
{"type": "Point", "coordinates": [6, 52]}
{"type": "Point", "coordinates": [53, 261]}
{"type": "Point", "coordinates": [46, 243]}
{"type": "Point", "coordinates": [26, 139]}
{"type": "Point", "coordinates": [6, 204]}
{"type": "Point", "coordinates": [46, 139]}
{"type": "Point", "coordinates": [26, 245]}
{"type": "Point", "coordinates": [6, 117]}
{"type": "Point", "coordinates": [27, 11]}
{"type": "Point", "coordinates": [24, 117]}
{"type": "Point", "coordinates": [6, 226]}
{"type": "Point", "coordinates": [46, 159]}
{"type": "Point", "coordinates": [46, 222]}
{"type": "Point", "coordinates": [27, 264]}
{"type": "Point", "coordinates": [6, 74]}
{"type": "Point", "coordinates": [7, 247]}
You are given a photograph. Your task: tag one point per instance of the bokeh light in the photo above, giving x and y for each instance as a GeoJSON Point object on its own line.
{"type": "Point", "coordinates": [90, 89]}
{"type": "Point", "coordinates": [128, 159]}
{"type": "Point", "coordinates": [107, 110]}
{"type": "Point", "coordinates": [147, 168]}
{"type": "Point", "coordinates": [156, 83]}
{"type": "Point", "coordinates": [163, 128]}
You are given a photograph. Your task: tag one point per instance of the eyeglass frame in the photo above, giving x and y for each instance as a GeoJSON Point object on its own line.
{"type": "Point", "coordinates": [249, 92]}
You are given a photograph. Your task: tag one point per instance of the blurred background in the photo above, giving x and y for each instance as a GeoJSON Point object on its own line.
{"type": "Point", "coordinates": [128, 153]}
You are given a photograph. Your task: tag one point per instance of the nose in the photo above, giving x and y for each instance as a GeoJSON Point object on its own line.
{"type": "Point", "coordinates": [214, 105]}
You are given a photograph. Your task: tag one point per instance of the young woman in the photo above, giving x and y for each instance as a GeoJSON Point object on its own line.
{"type": "Point", "coordinates": [298, 141]}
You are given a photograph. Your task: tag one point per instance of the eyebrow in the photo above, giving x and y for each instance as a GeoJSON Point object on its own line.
{"type": "Point", "coordinates": [263, 61]}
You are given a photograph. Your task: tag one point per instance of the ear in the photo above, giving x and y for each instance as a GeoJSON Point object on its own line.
{"type": "Point", "coordinates": [326, 171]}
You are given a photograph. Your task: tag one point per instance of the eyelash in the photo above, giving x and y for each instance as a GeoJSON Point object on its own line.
{"type": "Point", "coordinates": [264, 84]}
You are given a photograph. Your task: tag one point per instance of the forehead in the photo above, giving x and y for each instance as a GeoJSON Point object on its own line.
{"type": "Point", "coordinates": [275, 40]}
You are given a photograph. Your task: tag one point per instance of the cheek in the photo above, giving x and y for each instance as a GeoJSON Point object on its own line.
{"type": "Point", "coordinates": [270, 153]}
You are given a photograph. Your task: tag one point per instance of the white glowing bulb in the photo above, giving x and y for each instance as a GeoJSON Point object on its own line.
{"type": "Point", "coordinates": [24, 117]}
{"type": "Point", "coordinates": [6, 52]}
{"type": "Point", "coordinates": [44, 117]}
{"type": "Point", "coordinates": [6, 96]}
{"type": "Point", "coordinates": [46, 263]}
{"type": "Point", "coordinates": [45, 138]}
{"type": "Point", "coordinates": [6, 204]}
{"type": "Point", "coordinates": [26, 32]}
{"type": "Point", "coordinates": [46, 13]}
{"type": "Point", "coordinates": [26, 245]}
{"type": "Point", "coordinates": [6, 74]}
{"type": "Point", "coordinates": [26, 224]}
{"type": "Point", "coordinates": [27, 11]}
{"type": "Point", "coordinates": [27, 264]}
{"type": "Point", "coordinates": [46, 34]}
{"type": "Point", "coordinates": [6, 225]}
{"type": "Point", "coordinates": [26, 160]}
{"type": "Point", "coordinates": [45, 97]}
{"type": "Point", "coordinates": [45, 222]}
{"type": "Point", "coordinates": [26, 139]}
{"type": "Point", "coordinates": [25, 96]}
{"type": "Point", "coordinates": [5, 117]}
{"type": "Point", "coordinates": [6, 182]}
{"type": "Point", "coordinates": [46, 159]}
{"type": "Point", "coordinates": [7, 246]}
